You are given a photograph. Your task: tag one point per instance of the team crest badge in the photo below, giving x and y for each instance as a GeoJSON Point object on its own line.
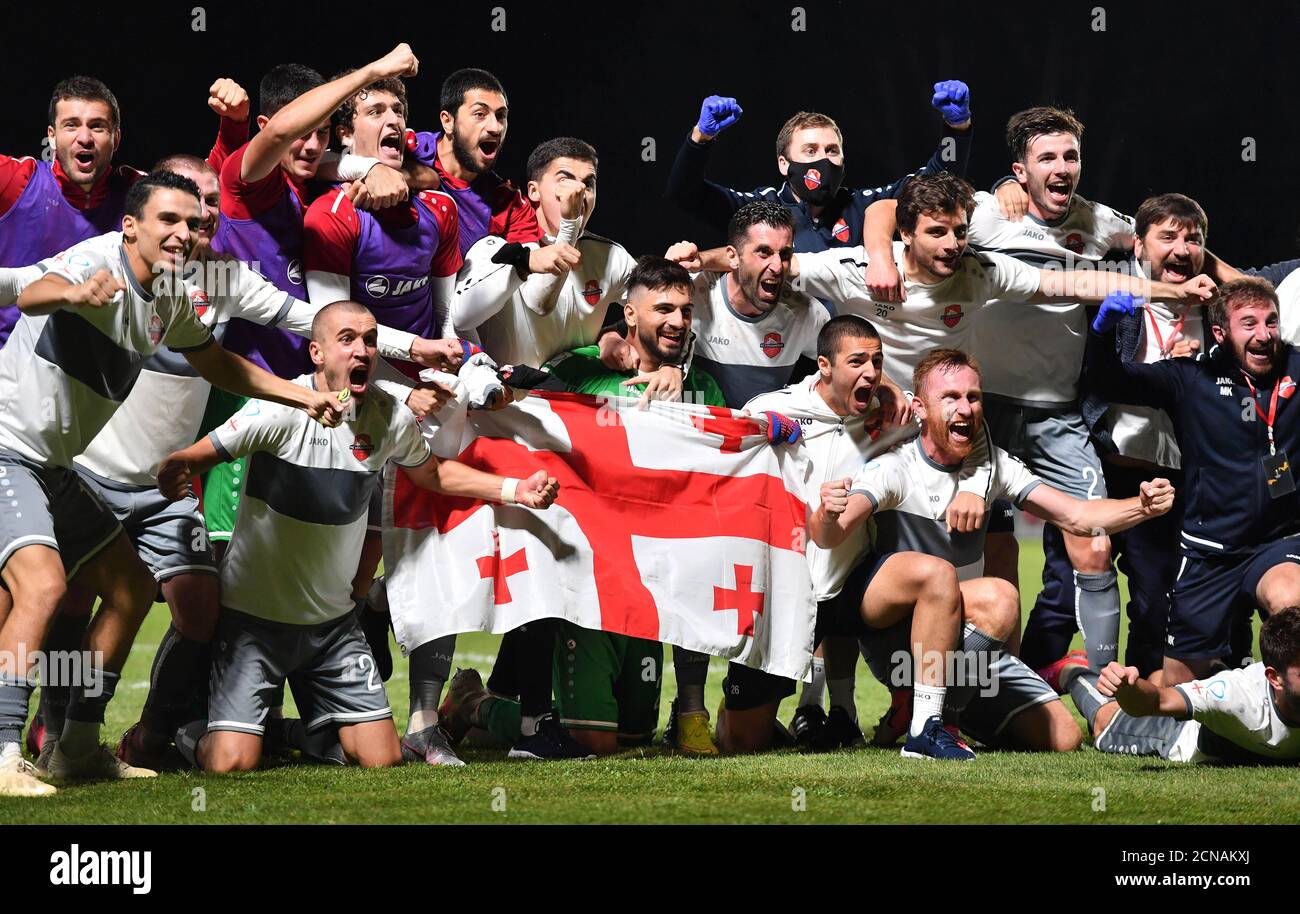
{"type": "Point", "coordinates": [841, 231]}
{"type": "Point", "coordinates": [812, 179]}
{"type": "Point", "coordinates": [1286, 388]}
{"type": "Point", "coordinates": [952, 315]}
{"type": "Point", "coordinates": [199, 299]}
{"type": "Point", "coordinates": [362, 448]}
{"type": "Point", "coordinates": [155, 330]}
{"type": "Point", "coordinates": [772, 345]}
{"type": "Point", "coordinates": [1073, 242]}
{"type": "Point", "coordinates": [592, 291]}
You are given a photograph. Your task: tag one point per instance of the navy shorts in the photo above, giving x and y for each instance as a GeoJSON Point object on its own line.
{"type": "Point", "coordinates": [1211, 591]}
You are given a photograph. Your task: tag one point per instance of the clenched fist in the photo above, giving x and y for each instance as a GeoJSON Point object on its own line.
{"type": "Point", "coordinates": [97, 291]}
{"type": "Point", "coordinates": [537, 491]}
{"type": "Point", "coordinates": [835, 496]}
{"type": "Point", "coordinates": [228, 99]}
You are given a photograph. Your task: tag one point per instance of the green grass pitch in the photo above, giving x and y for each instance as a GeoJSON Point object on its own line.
{"type": "Point", "coordinates": [650, 786]}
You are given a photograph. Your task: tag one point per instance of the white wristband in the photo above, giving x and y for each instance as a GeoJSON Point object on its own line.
{"type": "Point", "coordinates": [354, 167]}
{"type": "Point", "coordinates": [508, 487]}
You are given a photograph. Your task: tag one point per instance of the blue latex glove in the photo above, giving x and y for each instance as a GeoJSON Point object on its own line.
{"type": "Point", "coordinates": [782, 429]}
{"type": "Point", "coordinates": [717, 113]}
{"type": "Point", "coordinates": [952, 99]}
{"type": "Point", "coordinates": [1116, 306]}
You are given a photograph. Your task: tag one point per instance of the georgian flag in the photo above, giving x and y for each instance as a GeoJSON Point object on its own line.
{"type": "Point", "coordinates": [679, 523]}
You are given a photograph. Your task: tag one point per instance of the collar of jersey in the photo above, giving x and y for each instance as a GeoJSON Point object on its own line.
{"type": "Point", "coordinates": [726, 300]}
{"type": "Point", "coordinates": [1056, 224]}
{"type": "Point", "coordinates": [942, 468]}
{"type": "Point", "coordinates": [130, 275]}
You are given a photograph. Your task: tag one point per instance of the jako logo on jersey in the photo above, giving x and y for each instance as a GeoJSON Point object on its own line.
{"type": "Point", "coordinates": [199, 299]}
{"type": "Point", "coordinates": [362, 448]}
{"type": "Point", "coordinates": [952, 315]}
{"type": "Point", "coordinates": [841, 231]}
{"type": "Point", "coordinates": [812, 179]}
{"type": "Point", "coordinates": [377, 286]}
{"type": "Point", "coordinates": [772, 345]}
{"type": "Point", "coordinates": [1073, 242]}
{"type": "Point", "coordinates": [294, 272]}
{"type": "Point", "coordinates": [155, 329]}
{"type": "Point", "coordinates": [592, 291]}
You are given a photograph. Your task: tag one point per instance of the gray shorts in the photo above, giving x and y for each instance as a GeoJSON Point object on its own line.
{"type": "Point", "coordinates": [1054, 443]}
{"type": "Point", "coordinates": [169, 536]}
{"type": "Point", "coordinates": [1014, 688]}
{"type": "Point", "coordinates": [335, 681]}
{"type": "Point", "coordinates": [1156, 735]}
{"type": "Point", "coordinates": [51, 506]}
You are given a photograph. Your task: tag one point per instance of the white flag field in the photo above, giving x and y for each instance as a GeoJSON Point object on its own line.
{"type": "Point", "coordinates": [678, 523]}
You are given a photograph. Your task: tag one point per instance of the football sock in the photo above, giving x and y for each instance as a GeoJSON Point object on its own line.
{"type": "Point", "coordinates": [67, 635]}
{"type": "Point", "coordinates": [501, 718]}
{"type": "Point", "coordinates": [1083, 689]}
{"type": "Point", "coordinates": [15, 696]}
{"type": "Point", "coordinates": [86, 711]}
{"type": "Point", "coordinates": [842, 695]}
{"type": "Point", "coordinates": [966, 684]}
{"type": "Point", "coordinates": [187, 740]}
{"type": "Point", "coordinates": [814, 690]}
{"type": "Point", "coordinates": [1096, 607]}
{"type": "Point", "coordinates": [927, 702]}
{"type": "Point", "coordinates": [178, 682]}
{"type": "Point", "coordinates": [692, 671]}
{"type": "Point", "coordinates": [430, 669]}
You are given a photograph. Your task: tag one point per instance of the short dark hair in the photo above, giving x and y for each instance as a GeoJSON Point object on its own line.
{"type": "Point", "coordinates": [656, 274]}
{"type": "Point", "coordinates": [345, 114]}
{"type": "Point", "coordinates": [318, 320]}
{"type": "Point", "coordinates": [182, 160]}
{"type": "Point", "coordinates": [941, 359]}
{"type": "Point", "coordinates": [142, 190]}
{"type": "Point", "coordinates": [843, 327]}
{"type": "Point", "coordinates": [456, 85]}
{"type": "Point", "coordinates": [561, 147]}
{"type": "Point", "coordinates": [1248, 290]}
{"type": "Point", "coordinates": [283, 83]}
{"type": "Point", "coordinates": [86, 88]}
{"type": "Point", "coordinates": [941, 192]}
{"type": "Point", "coordinates": [1279, 639]}
{"type": "Point", "coordinates": [759, 212]}
{"type": "Point", "coordinates": [1185, 211]}
{"type": "Point", "coordinates": [1024, 126]}
{"type": "Point", "coordinates": [800, 121]}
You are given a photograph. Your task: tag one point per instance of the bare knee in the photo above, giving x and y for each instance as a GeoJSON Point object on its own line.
{"type": "Point", "coordinates": [1279, 588]}
{"type": "Point", "coordinates": [992, 605]}
{"type": "Point", "coordinates": [601, 742]}
{"type": "Point", "coordinates": [221, 752]}
{"type": "Point", "coordinates": [194, 603]}
{"type": "Point", "coordinates": [1088, 554]}
{"type": "Point", "coordinates": [372, 744]}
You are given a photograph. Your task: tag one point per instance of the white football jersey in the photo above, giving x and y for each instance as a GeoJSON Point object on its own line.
{"type": "Point", "coordinates": [63, 375]}
{"type": "Point", "coordinates": [934, 315]}
{"type": "Point", "coordinates": [1236, 706]}
{"type": "Point", "coordinates": [492, 301]}
{"type": "Point", "coordinates": [910, 494]}
{"type": "Point", "coordinates": [1034, 353]}
{"type": "Point", "coordinates": [304, 500]}
{"type": "Point", "coordinates": [749, 356]}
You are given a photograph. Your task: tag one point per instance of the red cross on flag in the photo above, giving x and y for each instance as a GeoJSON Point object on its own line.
{"type": "Point", "coordinates": [678, 523]}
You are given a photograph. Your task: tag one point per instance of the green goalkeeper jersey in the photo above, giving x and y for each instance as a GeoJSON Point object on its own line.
{"type": "Point", "coordinates": [584, 373]}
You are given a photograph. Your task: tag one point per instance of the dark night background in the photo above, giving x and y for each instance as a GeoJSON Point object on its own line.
{"type": "Point", "coordinates": [1167, 92]}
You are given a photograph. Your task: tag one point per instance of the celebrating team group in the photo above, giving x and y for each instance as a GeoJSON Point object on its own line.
{"type": "Point", "coordinates": [209, 370]}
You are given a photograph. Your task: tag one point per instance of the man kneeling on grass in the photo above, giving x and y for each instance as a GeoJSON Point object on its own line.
{"type": "Point", "coordinates": [1249, 715]}
{"type": "Point", "coordinates": [286, 605]}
